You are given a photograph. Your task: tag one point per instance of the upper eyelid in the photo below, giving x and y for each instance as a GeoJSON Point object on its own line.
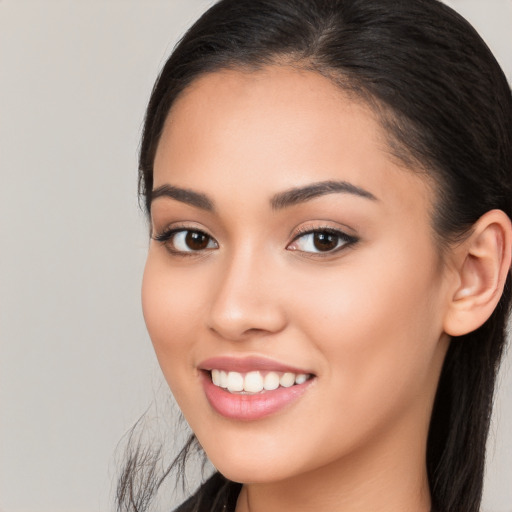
{"type": "Point", "coordinates": [168, 231]}
{"type": "Point", "coordinates": [298, 232]}
{"type": "Point", "coordinates": [178, 226]}
{"type": "Point", "coordinates": [308, 229]}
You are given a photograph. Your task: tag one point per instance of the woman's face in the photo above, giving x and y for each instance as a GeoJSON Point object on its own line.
{"type": "Point", "coordinates": [288, 245]}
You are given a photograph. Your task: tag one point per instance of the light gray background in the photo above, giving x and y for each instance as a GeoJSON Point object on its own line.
{"type": "Point", "coordinates": [76, 365]}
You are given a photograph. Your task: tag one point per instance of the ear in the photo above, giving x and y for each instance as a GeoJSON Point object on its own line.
{"type": "Point", "coordinates": [482, 263]}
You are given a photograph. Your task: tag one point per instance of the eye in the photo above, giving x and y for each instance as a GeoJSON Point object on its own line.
{"type": "Point", "coordinates": [186, 240]}
{"type": "Point", "coordinates": [321, 241]}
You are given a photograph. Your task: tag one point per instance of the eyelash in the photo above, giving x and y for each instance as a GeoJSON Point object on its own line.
{"type": "Point", "coordinates": [167, 238]}
{"type": "Point", "coordinates": [347, 240]}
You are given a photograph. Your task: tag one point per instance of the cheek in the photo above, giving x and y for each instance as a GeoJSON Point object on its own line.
{"type": "Point", "coordinates": [171, 307]}
{"type": "Point", "coordinates": [378, 324]}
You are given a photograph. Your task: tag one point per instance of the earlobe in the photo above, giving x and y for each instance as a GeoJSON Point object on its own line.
{"type": "Point", "coordinates": [483, 263]}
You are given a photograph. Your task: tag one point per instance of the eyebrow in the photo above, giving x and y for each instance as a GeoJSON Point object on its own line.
{"type": "Point", "coordinates": [279, 201]}
{"type": "Point", "coordinates": [298, 195]}
{"type": "Point", "coordinates": [183, 195]}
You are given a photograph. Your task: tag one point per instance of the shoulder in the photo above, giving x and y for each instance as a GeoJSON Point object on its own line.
{"type": "Point", "coordinates": [217, 494]}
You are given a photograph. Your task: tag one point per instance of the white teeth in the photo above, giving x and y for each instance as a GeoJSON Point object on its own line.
{"type": "Point", "coordinates": [223, 379]}
{"type": "Point", "coordinates": [287, 380]}
{"type": "Point", "coordinates": [235, 382]}
{"type": "Point", "coordinates": [271, 381]}
{"type": "Point", "coordinates": [255, 382]}
{"type": "Point", "coordinates": [301, 378]}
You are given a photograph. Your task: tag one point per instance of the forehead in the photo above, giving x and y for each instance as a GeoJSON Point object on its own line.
{"type": "Point", "coordinates": [274, 128]}
{"type": "Point", "coordinates": [302, 102]}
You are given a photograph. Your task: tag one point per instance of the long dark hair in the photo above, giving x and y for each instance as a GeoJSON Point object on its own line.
{"type": "Point", "coordinates": [447, 109]}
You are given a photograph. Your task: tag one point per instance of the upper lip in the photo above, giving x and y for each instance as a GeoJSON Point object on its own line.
{"type": "Point", "coordinates": [248, 364]}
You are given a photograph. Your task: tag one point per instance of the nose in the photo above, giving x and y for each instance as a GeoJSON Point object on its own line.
{"type": "Point", "coordinates": [246, 298]}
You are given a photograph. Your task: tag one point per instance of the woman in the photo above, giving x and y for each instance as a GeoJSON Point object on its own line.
{"type": "Point", "coordinates": [329, 189]}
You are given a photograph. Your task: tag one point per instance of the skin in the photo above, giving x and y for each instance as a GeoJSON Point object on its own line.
{"type": "Point", "coordinates": [367, 319]}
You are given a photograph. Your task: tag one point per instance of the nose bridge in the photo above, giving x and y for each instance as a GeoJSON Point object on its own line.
{"type": "Point", "coordinates": [245, 297]}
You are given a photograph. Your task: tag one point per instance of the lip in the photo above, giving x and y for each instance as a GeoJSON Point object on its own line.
{"type": "Point", "coordinates": [248, 364]}
{"type": "Point", "coordinates": [250, 407]}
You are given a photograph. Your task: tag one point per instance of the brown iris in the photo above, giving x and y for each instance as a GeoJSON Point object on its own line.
{"type": "Point", "coordinates": [324, 241]}
{"type": "Point", "coordinates": [196, 240]}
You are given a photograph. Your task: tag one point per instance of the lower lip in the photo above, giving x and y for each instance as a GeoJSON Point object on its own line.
{"type": "Point", "coordinates": [251, 407]}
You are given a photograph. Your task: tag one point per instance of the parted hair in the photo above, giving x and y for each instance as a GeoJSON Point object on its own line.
{"type": "Point", "coordinates": [446, 107]}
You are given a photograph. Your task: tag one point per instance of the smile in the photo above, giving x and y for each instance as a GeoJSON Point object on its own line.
{"type": "Point", "coordinates": [256, 381]}
{"type": "Point", "coordinates": [252, 388]}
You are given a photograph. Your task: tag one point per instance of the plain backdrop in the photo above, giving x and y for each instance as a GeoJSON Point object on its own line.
{"type": "Point", "coordinates": [76, 365]}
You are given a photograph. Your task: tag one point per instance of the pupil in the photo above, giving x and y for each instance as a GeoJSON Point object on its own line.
{"type": "Point", "coordinates": [196, 240]}
{"type": "Point", "coordinates": [325, 241]}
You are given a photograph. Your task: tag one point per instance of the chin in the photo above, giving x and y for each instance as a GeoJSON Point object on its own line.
{"type": "Point", "coordinates": [248, 462]}
{"type": "Point", "coordinates": [246, 472]}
